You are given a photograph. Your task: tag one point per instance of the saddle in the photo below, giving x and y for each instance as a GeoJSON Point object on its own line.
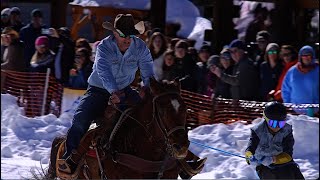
{"type": "Point", "coordinates": [101, 127]}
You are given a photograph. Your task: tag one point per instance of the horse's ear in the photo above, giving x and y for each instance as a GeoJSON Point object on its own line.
{"type": "Point", "coordinates": [177, 83]}
{"type": "Point", "coordinates": [154, 86]}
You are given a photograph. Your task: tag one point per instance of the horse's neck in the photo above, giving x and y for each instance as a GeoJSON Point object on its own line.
{"type": "Point", "coordinates": [138, 138]}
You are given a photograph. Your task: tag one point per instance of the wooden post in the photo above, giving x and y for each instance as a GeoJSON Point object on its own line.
{"type": "Point", "coordinates": [44, 100]}
{"type": "Point", "coordinates": [158, 15]}
{"type": "Point", "coordinates": [59, 13]}
{"type": "Point", "coordinates": [223, 27]}
{"type": "Point", "coordinates": [283, 30]}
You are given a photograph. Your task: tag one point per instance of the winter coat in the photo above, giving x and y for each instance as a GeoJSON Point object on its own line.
{"type": "Point", "coordinates": [263, 143]}
{"type": "Point", "coordinates": [114, 71]}
{"type": "Point", "coordinates": [80, 80]}
{"type": "Point", "coordinates": [223, 89]}
{"type": "Point", "coordinates": [28, 35]}
{"type": "Point", "coordinates": [206, 81]}
{"type": "Point", "coordinates": [186, 68]}
{"type": "Point", "coordinates": [169, 72]}
{"type": "Point", "coordinates": [244, 80]}
{"type": "Point", "coordinates": [13, 59]}
{"type": "Point", "coordinates": [287, 66]}
{"type": "Point", "coordinates": [301, 88]}
{"type": "Point", "coordinates": [269, 78]}
{"type": "Point", "coordinates": [41, 64]}
{"type": "Point", "coordinates": [67, 55]}
{"type": "Point", "coordinates": [280, 146]}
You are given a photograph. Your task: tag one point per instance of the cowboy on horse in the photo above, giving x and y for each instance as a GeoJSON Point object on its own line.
{"type": "Point", "coordinates": [117, 59]}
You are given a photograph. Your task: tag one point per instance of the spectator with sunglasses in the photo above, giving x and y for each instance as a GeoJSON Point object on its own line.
{"type": "Point", "coordinates": [118, 57]}
{"type": "Point", "coordinates": [244, 79]}
{"type": "Point", "coordinates": [301, 83]}
{"type": "Point", "coordinates": [270, 146]}
{"type": "Point", "coordinates": [290, 57]}
{"type": "Point", "coordinates": [270, 70]}
{"type": "Point", "coordinates": [5, 18]}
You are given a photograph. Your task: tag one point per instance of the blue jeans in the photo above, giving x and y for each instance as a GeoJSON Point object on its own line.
{"type": "Point", "coordinates": [91, 106]}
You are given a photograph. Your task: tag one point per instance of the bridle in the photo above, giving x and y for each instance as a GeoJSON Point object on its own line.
{"type": "Point", "coordinates": [157, 117]}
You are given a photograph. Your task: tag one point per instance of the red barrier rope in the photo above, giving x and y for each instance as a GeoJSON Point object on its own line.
{"type": "Point", "coordinates": [29, 88]}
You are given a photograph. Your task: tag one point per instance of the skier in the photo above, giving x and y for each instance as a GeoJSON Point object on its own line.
{"type": "Point", "coordinates": [270, 146]}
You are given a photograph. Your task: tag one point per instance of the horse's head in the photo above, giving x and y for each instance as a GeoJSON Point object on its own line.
{"type": "Point", "coordinates": [169, 112]}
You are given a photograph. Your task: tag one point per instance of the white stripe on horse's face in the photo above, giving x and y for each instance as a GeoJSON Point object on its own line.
{"type": "Point", "coordinates": [175, 103]}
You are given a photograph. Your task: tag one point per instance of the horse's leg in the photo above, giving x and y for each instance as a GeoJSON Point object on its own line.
{"type": "Point", "coordinates": [51, 174]}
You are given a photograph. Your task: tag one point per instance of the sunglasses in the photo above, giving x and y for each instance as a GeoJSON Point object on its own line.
{"type": "Point", "coordinates": [275, 123]}
{"type": "Point", "coordinates": [123, 35]}
{"type": "Point", "coordinates": [272, 52]}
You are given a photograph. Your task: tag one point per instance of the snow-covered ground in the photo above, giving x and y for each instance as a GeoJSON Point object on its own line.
{"type": "Point", "coordinates": [26, 143]}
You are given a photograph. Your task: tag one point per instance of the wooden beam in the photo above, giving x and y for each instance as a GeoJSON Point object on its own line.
{"type": "Point", "coordinates": [158, 15]}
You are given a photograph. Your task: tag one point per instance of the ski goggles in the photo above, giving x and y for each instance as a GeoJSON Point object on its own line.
{"type": "Point", "coordinates": [275, 123]}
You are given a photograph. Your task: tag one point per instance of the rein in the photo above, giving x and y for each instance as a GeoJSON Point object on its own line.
{"type": "Point", "coordinates": [157, 116]}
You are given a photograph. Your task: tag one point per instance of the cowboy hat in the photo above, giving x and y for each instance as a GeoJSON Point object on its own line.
{"type": "Point", "coordinates": [125, 24]}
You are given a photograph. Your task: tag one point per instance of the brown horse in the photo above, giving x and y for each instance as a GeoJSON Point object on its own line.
{"type": "Point", "coordinates": [146, 142]}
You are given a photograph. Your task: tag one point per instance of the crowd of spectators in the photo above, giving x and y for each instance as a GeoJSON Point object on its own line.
{"type": "Point", "coordinates": [270, 72]}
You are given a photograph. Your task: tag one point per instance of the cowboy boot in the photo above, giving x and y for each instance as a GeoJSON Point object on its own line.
{"type": "Point", "coordinates": [67, 165]}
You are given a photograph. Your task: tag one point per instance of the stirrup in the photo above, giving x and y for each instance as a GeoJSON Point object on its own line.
{"type": "Point", "coordinates": [64, 166]}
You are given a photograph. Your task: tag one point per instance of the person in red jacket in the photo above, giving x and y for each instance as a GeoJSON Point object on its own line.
{"type": "Point", "coordinates": [290, 57]}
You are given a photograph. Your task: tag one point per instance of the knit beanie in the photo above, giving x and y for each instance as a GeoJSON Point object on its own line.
{"type": "Point", "coordinates": [42, 41]}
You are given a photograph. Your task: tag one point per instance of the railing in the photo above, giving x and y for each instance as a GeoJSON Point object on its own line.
{"type": "Point", "coordinates": [202, 110]}
{"type": "Point", "coordinates": [30, 88]}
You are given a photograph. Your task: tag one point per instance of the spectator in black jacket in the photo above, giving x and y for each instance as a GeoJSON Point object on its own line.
{"type": "Point", "coordinates": [15, 19]}
{"type": "Point", "coordinates": [63, 47]}
{"type": "Point", "coordinates": [270, 70]}
{"type": "Point", "coordinates": [244, 80]}
{"type": "Point", "coordinates": [169, 66]}
{"type": "Point", "coordinates": [223, 89]}
{"type": "Point", "coordinates": [30, 32]}
{"type": "Point", "coordinates": [186, 66]}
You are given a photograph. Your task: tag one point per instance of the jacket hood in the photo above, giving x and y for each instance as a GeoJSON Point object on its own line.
{"type": "Point", "coordinates": [307, 50]}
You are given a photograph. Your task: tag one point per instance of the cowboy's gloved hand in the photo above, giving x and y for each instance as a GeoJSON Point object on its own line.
{"type": "Point", "coordinates": [143, 91]}
{"type": "Point", "coordinates": [115, 96]}
{"type": "Point", "coordinates": [267, 160]}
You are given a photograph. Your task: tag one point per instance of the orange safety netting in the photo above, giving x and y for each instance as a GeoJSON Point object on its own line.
{"type": "Point", "coordinates": [29, 87]}
{"type": "Point", "coordinates": [203, 110]}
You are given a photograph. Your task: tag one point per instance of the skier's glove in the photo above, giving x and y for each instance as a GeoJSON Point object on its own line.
{"type": "Point", "coordinates": [266, 161]}
{"type": "Point", "coordinates": [251, 160]}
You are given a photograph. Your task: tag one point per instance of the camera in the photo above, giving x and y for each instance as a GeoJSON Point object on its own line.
{"type": "Point", "coordinates": [45, 31]}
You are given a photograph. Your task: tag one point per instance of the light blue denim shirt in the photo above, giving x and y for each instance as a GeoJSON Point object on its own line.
{"type": "Point", "coordinates": [114, 71]}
